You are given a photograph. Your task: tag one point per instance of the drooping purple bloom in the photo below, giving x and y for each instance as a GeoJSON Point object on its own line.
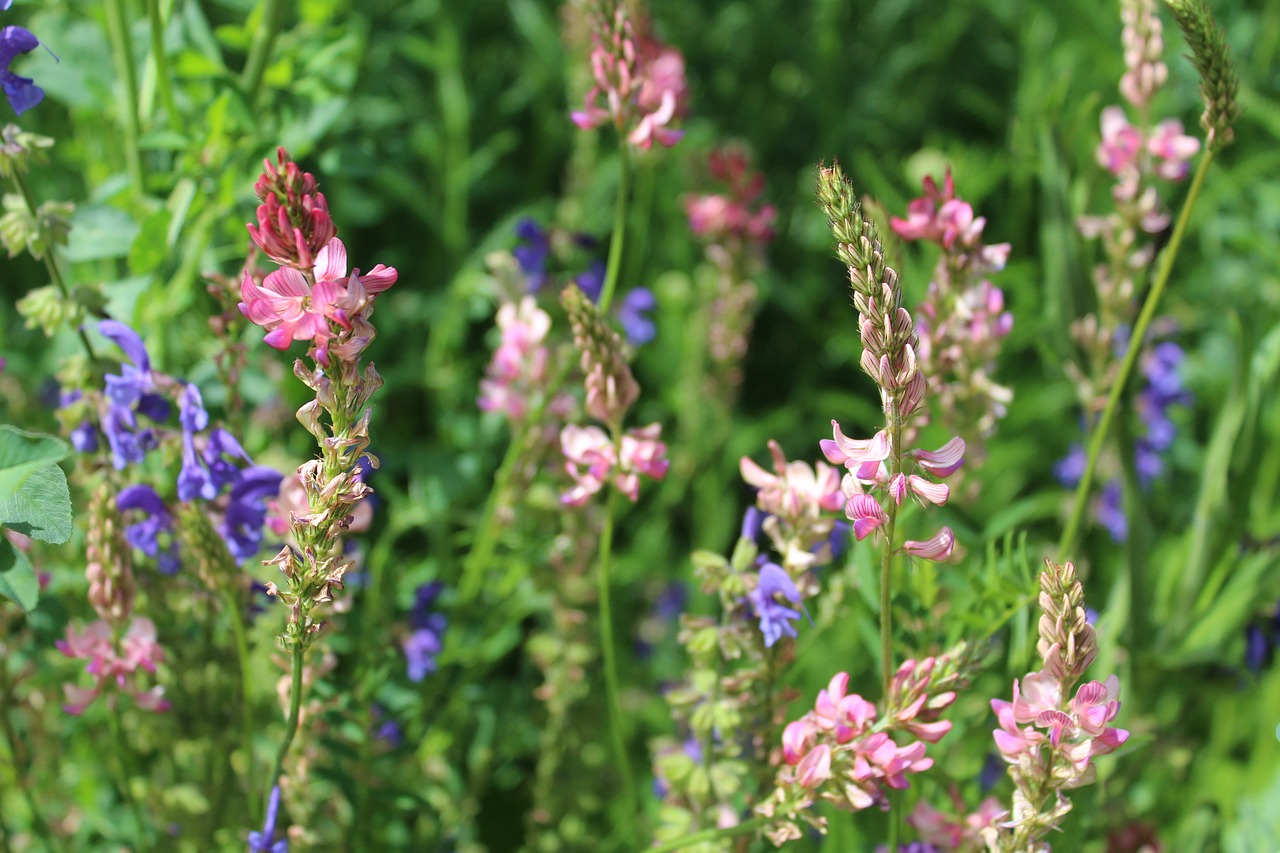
{"type": "Point", "coordinates": [221, 452]}
{"type": "Point", "coordinates": [261, 842]}
{"type": "Point", "coordinates": [1257, 651]}
{"type": "Point", "coordinates": [775, 618]}
{"type": "Point", "coordinates": [129, 393]}
{"type": "Point", "coordinates": [145, 535]}
{"type": "Point", "coordinates": [632, 314]}
{"type": "Point", "coordinates": [532, 253]}
{"type": "Point", "coordinates": [1070, 468]}
{"type": "Point", "coordinates": [753, 523]}
{"type": "Point", "coordinates": [22, 92]}
{"type": "Point", "coordinates": [246, 511]}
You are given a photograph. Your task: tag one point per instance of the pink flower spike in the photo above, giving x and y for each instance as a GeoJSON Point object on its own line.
{"type": "Point", "coordinates": [944, 461]}
{"type": "Point", "coordinates": [938, 548]}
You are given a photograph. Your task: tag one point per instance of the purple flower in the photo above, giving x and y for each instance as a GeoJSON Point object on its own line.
{"type": "Point", "coordinates": [129, 393]}
{"type": "Point", "coordinates": [775, 619]}
{"type": "Point", "coordinates": [425, 640]}
{"type": "Point", "coordinates": [631, 314]}
{"type": "Point", "coordinates": [532, 253]}
{"type": "Point", "coordinates": [1110, 511]}
{"type": "Point", "coordinates": [218, 455]}
{"type": "Point", "coordinates": [22, 92]}
{"type": "Point", "coordinates": [145, 535]}
{"type": "Point", "coordinates": [247, 510]}
{"type": "Point", "coordinates": [753, 523]}
{"type": "Point", "coordinates": [260, 842]}
{"type": "Point", "coordinates": [1070, 468]}
{"type": "Point", "coordinates": [591, 282]}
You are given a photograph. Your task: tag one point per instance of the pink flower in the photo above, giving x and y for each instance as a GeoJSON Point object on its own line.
{"type": "Point", "coordinates": [901, 485]}
{"type": "Point", "coordinates": [589, 457]}
{"type": "Point", "coordinates": [1037, 693]}
{"type": "Point", "coordinates": [1121, 142]}
{"type": "Point", "coordinates": [797, 739]}
{"type": "Point", "coordinates": [866, 514]}
{"type": "Point", "coordinates": [815, 768]}
{"type": "Point", "coordinates": [944, 461]}
{"type": "Point", "coordinates": [641, 453]}
{"type": "Point", "coordinates": [795, 490]}
{"type": "Point", "coordinates": [940, 217]}
{"type": "Point", "coordinates": [111, 666]}
{"type": "Point", "coordinates": [1173, 148]}
{"type": "Point", "coordinates": [519, 363]}
{"type": "Point", "coordinates": [937, 548]}
{"type": "Point", "coordinates": [290, 309]}
{"type": "Point", "coordinates": [826, 707]}
{"type": "Point", "coordinates": [863, 458]}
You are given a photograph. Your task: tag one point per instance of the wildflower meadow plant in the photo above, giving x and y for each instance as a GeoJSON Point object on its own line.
{"type": "Point", "coordinates": [650, 564]}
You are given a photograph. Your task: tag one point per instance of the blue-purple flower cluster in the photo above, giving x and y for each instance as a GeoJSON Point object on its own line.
{"type": "Point", "coordinates": [1163, 389]}
{"type": "Point", "coordinates": [213, 462]}
{"type": "Point", "coordinates": [533, 253]}
{"type": "Point", "coordinates": [426, 636]}
{"type": "Point", "coordinates": [22, 92]}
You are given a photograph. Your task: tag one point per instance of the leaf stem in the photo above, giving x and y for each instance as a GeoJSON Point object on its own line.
{"type": "Point", "coordinates": [1096, 441]}
{"type": "Point", "coordinates": [291, 725]}
{"type": "Point", "coordinates": [260, 51]}
{"type": "Point", "coordinates": [164, 84]}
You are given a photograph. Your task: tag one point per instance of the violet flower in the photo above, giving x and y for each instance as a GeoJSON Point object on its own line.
{"type": "Point", "coordinates": [532, 253]}
{"type": "Point", "coordinates": [22, 92]}
{"type": "Point", "coordinates": [425, 641]}
{"type": "Point", "coordinates": [775, 618]}
{"type": "Point", "coordinates": [260, 842]}
{"type": "Point", "coordinates": [632, 311]}
{"type": "Point", "coordinates": [246, 512]}
{"type": "Point", "coordinates": [145, 535]}
{"type": "Point", "coordinates": [129, 393]}
{"type": "Point", "coordinates": [591, 282]}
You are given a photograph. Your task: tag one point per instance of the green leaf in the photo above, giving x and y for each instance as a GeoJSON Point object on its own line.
{"type": "Point", "coordinates": [149, 248]}
{"type": "Point", "coordinates": [17, 579]}
{"type": "Point", "coordinates": [24, 453]}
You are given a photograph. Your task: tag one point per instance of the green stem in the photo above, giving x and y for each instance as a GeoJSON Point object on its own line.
{"type": "Point", "coordinates": [158, 55]}
{"type": "Point", "coordinates": [50, 263]}
{"type": "Point", "coordinates": [260, 52]}
{"type": "Point", "coordinates": [886, 558]}
{"type": "Point", "coordinates": [618, 239]}
{"type": "Point", "coordinates": [291, 726]}
{"type": "Point", "coordinates": [122, 51]}
{"type": "Point", "coordinates": [610, 655]}
{"type": "Point", "coordinates": [1136, 338]}
{"type": "Point", "coordinates": [474, 568]}
{"type": "Point", "coordinates": [122, 772]}
{"type": "Point", "coordinates": [19, 763]}
{"type": "Point", "coordinates": [710, 835]}
{"type": "Point", "coordinates": [233, 607]}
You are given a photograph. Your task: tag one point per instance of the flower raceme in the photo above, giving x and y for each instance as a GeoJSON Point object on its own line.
{"type": "Point", "coordinates": [639, 83]}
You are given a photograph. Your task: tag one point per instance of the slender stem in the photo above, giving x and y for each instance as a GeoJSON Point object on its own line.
{"type": "Point", "coordinates": [1136, 338]}
{"type": "Point", "coordinates": [710, 835]}
{"type": "Point", "coordinates": [235, 614]}
{"type": "Point", "coordinates": [618, 239]}
{"type": "Point", "coordinates": [610, 655]}
{"type": "Point", "coordinates": [291, 726]}
{"type": "Point", "coordinates": [19, 763]}
{"type": "Point", "coordinates": [260, 52]}
{"type": "Point", "coordinates": [894, 418]}
{"type": "Point", "coordinates": [158, 55]}
{"type": "Point", "coordinates": [50, 262]}
{"type": "Point", "coordinates": [482, 548]}
{"type": "Point", "coordinates": [122, 772]}
{"type": "Point", "coordinates": [122, 50]}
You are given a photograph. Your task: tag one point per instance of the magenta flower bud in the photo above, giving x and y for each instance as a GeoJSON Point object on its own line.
{"type": "Point", "coordinates": [938, 548]}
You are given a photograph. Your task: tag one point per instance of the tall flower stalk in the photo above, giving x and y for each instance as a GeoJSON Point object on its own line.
{"type": "Point", "coordinates": [312, 298]}
{"type": "Point", "coordinates": [881, 471]}
{"type": "Point", "coordinates": [610, 459]}
{"type": "Point", "coordinates": [1218, 88]}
